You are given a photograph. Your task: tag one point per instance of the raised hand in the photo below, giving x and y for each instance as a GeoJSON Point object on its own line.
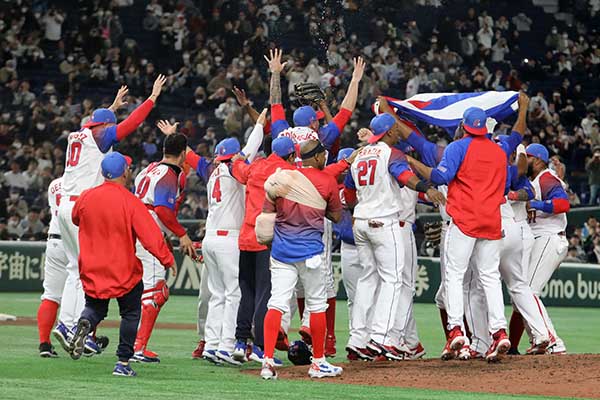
{"type": "Point", "coordinates": [158, 85]}
{"type": "Point", "coordinates": [364, 134]}
{"type": "Point", "coordinates": [119, 102]}
{"type": "Point", "coordinates": [274, 60]}
{"type": "Point", "coordinates": [262, 118]}
{"type": "Point", "coordinates": [359, 68]}
{"type": "Point", "coordinates": [240, 95]}
{"type": "Point", "coordinates": [523, 101]}
{"type": "Point", "coordinates": [166, 127]}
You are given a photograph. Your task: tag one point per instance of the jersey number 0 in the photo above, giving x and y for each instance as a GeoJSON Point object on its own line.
{"type": "Point", "coordinates": [74, 154]}
{"type": "Point", "coordinates": [366, 167]}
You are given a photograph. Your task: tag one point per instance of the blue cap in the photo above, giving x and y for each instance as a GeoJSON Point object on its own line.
{"type": "Point", "coordinates": [304, 116]}
{"type": "Point", "coordinates": [283, 146]}
{"type": "Point", "coordinates": [474, 121]}
{"type": "Point", "coordinates": [380, 124]}
{"type": "Point", "coordinates": [101, 116]}
{"type": "Point", "coordinates": [345, 153]}
{"type": "Point", "coordinates": [114, 165]}
{"type": "Point", "coordinates": [538, 150]}
{"type": "Point", "coordinates": [226, 149]}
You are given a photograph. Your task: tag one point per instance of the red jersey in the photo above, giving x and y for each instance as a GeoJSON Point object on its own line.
{"type": "Point", "coordinates": [110, 220]}
{"type": "Point", "coordinates": [254, 176]}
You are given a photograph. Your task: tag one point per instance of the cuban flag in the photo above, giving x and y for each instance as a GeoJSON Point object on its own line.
{"type": "Point", "coordinates": [446, 109]}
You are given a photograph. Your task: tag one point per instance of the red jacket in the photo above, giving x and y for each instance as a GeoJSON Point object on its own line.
{"type": "Point", "coordinates": [110, 220]}
{"type": "Point", "coordinates": [254, 176]}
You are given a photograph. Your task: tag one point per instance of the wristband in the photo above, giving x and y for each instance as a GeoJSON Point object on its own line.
{"type": "Point", "coordinates": [422, 187]}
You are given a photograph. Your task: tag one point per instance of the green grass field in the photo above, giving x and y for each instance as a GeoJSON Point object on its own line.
{"type": "Point", "coordinates": [24, 375]}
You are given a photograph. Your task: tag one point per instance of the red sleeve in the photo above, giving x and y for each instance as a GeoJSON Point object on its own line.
{"type": "Point", "coordinates": [169, 219]}
{"type": "Point", "coordinates": [267, 127]}
{"type": "Point", "coordinates": [148, 233]}
{"type": "Point", "coordinates": [350, 196]}
{"type": "Point", "coordinates": [560, 206]}
{"type": "Point", "coordinates": [192, 159]}
{"type": "Point", "coordinates": [240, 171]}
{"type": "Point", "coordinates": [336, 169]}
{"type": "Point", "coordinates": [341, 118]}
{"type": "Point", "coordinates": [277, 112]}
{"type": "Point", "coordinates": [405, 176]}
{"type": "Point", "coordinates": [76, 212]}
{"type": "Point", "coordinates": [134, 120]}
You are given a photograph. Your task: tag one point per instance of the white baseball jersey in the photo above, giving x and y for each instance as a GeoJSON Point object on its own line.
{"type": "Point", "coordinates": [300, 134]}
{"type": "Point", "coordinates": [226, 200]}
{"type": "Point", "coordinates": [378, 192]}
{"type": "Point", "coordinates": [519, 209]}
{"type": "Point", "coordinates": [84, 156]}
{"type": "Point", "coordinates": [408, 199]}
{"type": "Point", "coordinates": [54, 195]}
{"type": "Point", "coordinates": [443, 189]}
{"type": "Point", "coordinates": [159, 185]}
{"type": "Point", "coordinates": [546, 223]}
{"type": "Point", "coordinates": [506, 210]}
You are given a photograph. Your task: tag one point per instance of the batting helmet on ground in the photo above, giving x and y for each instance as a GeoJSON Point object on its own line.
{"type": "Point", "coordinates": [299, 353]}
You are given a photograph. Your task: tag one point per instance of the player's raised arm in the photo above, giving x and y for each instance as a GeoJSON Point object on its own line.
{"type": "Point", "coordinates": [403, 129]}
{"type": "Point", "coordinates": [244, 102]}
{"type": "Point", "coordinates": [278, 122]}
{"type": "Point", "coordinates": [349, 102]}
{"type": "Point", "coordinates": [135, 119]}
{"type": "Point", "coordinates": [255, 139]}
{"type": "Point", "coordinates": [510, 143]}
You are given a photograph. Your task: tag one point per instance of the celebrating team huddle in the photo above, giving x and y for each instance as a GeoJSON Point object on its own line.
{"type": "Point", "coordinates": [274, 207]}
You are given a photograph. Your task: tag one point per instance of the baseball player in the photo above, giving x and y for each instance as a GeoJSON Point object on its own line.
{"type": "Point", "coordinates": [307, 127]}
{"type": "Point", "coordinates": [203, 299]}
{"type": "Point", "coordinates": [159, 186]}
{"type": "Point", "coordinates": [220, 245]}
{"type": "Point", "coordinates": [548, 221]}
{"type": "Point", "coordinates": [374, 178]}
{"type": "Point", "coordinates": [55, 274]}
{"type": "Point", "coordinates": [85, 150]}
{"type": "Point", "coordinates": [474, 233]}
{"type": "Point", "coordinates": [300, 215]}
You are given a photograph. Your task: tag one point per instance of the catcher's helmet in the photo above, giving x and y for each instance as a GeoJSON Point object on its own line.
{"type": "Point", "coordinates": [299, 353]}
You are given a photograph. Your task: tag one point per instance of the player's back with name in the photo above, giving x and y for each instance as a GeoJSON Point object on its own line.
{"type": "Point", "coordinates": [226, 200]}
{"type": "Point", "coordinates": [82, 166]}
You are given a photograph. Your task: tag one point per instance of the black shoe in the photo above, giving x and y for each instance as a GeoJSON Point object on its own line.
{"type": "Point", "coordinates": [513, 352]}
{"type": "Point", "coordinates": [47, 350]}
{"type": "Point", "coordinates": [102, 342]}
{"type": "Point", "coordinates": [77, 343]}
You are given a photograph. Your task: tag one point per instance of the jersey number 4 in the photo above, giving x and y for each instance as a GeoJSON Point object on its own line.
{"type": "Point", "coordinates": [74, 154]}
{"type": "Point", "coordinates": [216, 192]}
{"type": "Point", "coordinates": [366, 167]}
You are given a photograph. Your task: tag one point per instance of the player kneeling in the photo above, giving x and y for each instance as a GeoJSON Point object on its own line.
{"type": "Point", "coordinates": [300, 200]}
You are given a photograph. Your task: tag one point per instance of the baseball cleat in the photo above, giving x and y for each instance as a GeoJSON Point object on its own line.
{"type": "Point", "coordinates": [226, 357]}
{"type": "Point", "coordinates": [320, 368]}
{"type": "Point", "coordinates": [538, 348]}
{"type": "Point", "coordinates": [500, 346]}
{"type": "Point", "coordinates": [77, 343]}
{"type": "Point", "coordinates": [239, 352]}
{"type": "Point", "coordinates": [123, 370]}
{"type": "Point", "coordinates": [304, 332]}
{"type": "Point", "coordinates": [388, 352]}
{"type": "Point", "coordinates": [464, 353]}
{"type": "Point", "coordinates": [145, 356]}
{"type": "Point", "coordinates": [197, 353]}
{"type": "Point", "coordinates": [283, 343]}
{"type": "Point", "coordinates": [456, 340]}
{"type": "Point", "coordinates": [211, 355]}
{"type": "Point", "coordinates": [102, 342]}
{"type": "Point", "coordinates": [330, 350]}
{"type": "Point", "coordinates": [556, 346]}
{"type": "Point", "coordinates": [47, 350]}
{"type": "Point", "coordinates": [63, 335]}
{"type": "Point", "coordinates": [90, 347]}
{"type": "Point", "coordinates": [513, 352]}
{"type": "Point", "coordinates": [352, 356]}
{"type": "Point", "coordinates": [415, 353]}
{"type": "Point", "coordinates": [360, 352]}
{"type": "Point", "coordinates": [267, 371]}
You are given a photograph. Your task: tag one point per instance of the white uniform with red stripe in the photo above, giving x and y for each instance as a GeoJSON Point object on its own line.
{"type": "Point", "coordinates": [82, 171]}
{"type": "Point", "coordinates": [55, 263]}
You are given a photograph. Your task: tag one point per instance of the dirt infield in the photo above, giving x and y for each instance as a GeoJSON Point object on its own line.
{"type": "Point", "coordinates": [567, 375]}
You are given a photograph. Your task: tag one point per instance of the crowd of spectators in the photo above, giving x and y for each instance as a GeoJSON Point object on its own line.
{"type": "Point", "coordinates": [59, 61]}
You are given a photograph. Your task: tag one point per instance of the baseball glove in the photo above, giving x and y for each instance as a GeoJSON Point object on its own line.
{"type": "Point", "coordinates": [433, 232]}
{"type": "Point", "coordinates": [299, 353]}
{"type": "Point", "coordinates": [308, 93]}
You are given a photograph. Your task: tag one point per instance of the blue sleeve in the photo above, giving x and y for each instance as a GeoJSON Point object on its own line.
{"type": "Point", "coordinates": [106, 138]}
{"type": "Point", "coordinates": [165, 191]}
{"type": "Point", "coordinates": [398, 166]}
{"type": "Point", "coordinates": [203, 169]}
{"type": "Point", "coordinates": [277, 127]}
{"type": "Point", "coordinates": [451, 162]}
{"type": "Point", "coordinates": [328, 134]}
{"type": "Point", "coordinates": [349, 181]}
{"type": "Point", "coordinates": [545, 206]}
{"type": "Point", "coordinates": [509, 145]}
{"type": "Point", "coordinates": [520, 182]}
{"type": "Point", "coordinates": [428, 151]}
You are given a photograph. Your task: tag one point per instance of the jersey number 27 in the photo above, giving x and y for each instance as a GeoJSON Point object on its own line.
{"type": "Point", "coordinates": [366, 168]}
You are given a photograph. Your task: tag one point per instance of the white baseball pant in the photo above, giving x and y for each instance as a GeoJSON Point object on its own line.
{"type": "Point", "coordinates": [485, 256]}
{"type": "Point", "coordinates": [221, 256]}
{"type": "Point", "coordinates": [73, 299]}
{"type": "Point", "coordinates": [55, 271]}
{"type": "Point", "coordinates": [381, 253]}
{"type": "Point", "coordinates": [284, 278]}
{"type": "Point", "coordinates": [351, 271]}
{"type": "Point", "coordinates": [203, 299]}
{"type": "Point", "coordinates": [440, 296]}
{"type": "Point", "coordinates": [404, 317]}
{"type": "Point", "coordinates": [547, 253]}
{"type": "Point", "coordinates": [154, 271]}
